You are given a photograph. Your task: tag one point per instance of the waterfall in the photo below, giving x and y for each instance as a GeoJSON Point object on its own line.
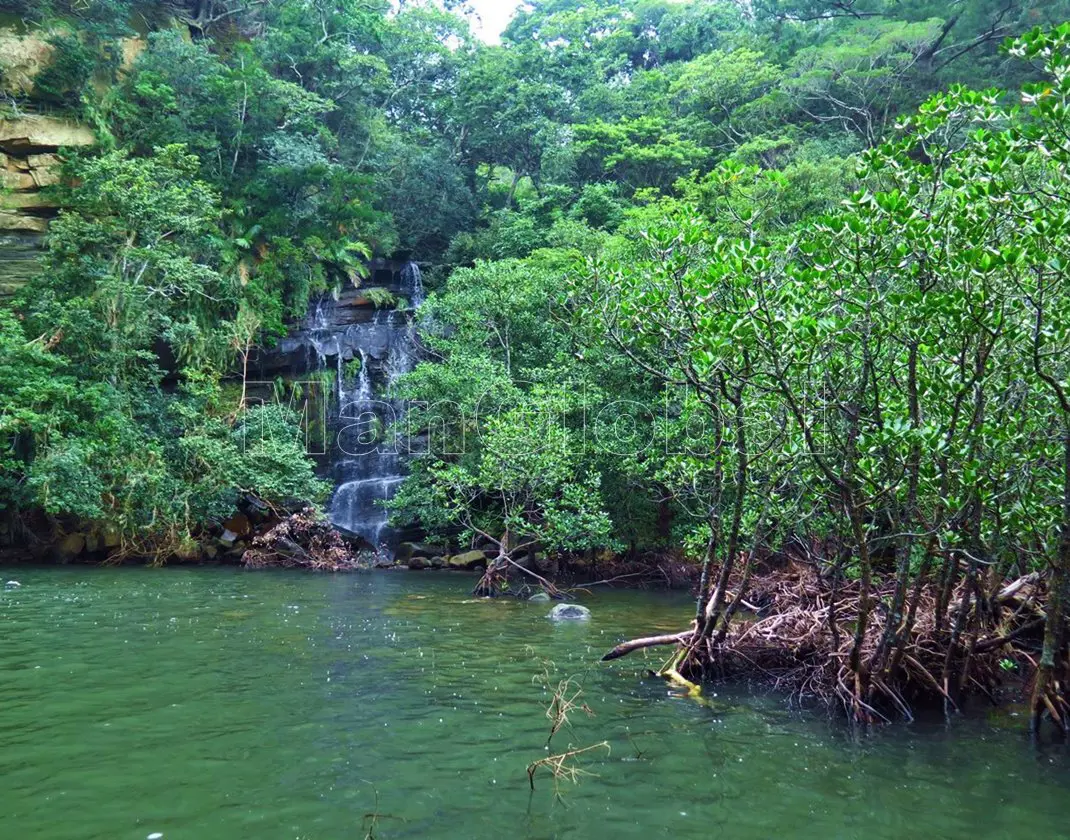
{"type": "Point", "coordinates": [321, 337]}
{"type": "Point", "coordinates": [341, 332]}
{"type": "Point", "coordinates": [413, 279]}
{"type": "Point", "coordinates": [364, 379]}
{"type": "Point", "coordinates": [369, 465]}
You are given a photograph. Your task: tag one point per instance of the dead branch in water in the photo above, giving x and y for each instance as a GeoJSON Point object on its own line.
{"type": "Point", "coordinates": [559, 766]}
{"type": "Point", "coordinates": [651, 641]}
{"type": "Point", "coordinates": [566, 700]}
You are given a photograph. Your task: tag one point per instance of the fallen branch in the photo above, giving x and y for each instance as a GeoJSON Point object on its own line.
{"type": "Point", "coordinates": [651, 641]}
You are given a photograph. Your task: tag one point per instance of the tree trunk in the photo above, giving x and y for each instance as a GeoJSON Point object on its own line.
{"type": "Point", "coordinates": [1048, 694]}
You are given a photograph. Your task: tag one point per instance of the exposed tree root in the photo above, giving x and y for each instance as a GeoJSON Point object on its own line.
{"type": "Point", "coordinates": [792, 645]}
{"type": "Point", "coordinates": [495, 580]}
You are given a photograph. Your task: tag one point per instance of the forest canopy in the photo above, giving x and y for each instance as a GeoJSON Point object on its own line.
{"type": "Point", "coordinates": [586, 190]}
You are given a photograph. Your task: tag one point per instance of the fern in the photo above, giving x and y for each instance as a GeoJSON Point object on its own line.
{"type": "Point", "coordinates": [381, 298]}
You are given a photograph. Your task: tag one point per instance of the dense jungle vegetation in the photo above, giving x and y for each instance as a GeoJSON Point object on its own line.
{"type": "Point", "coordinates": [737, 279]}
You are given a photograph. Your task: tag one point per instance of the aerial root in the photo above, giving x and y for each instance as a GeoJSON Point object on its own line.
{"type": "Point", "coordinates": [792, 645]}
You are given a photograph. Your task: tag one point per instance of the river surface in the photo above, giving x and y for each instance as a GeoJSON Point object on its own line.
{"type": "Point", "coordinates": [221, 705]}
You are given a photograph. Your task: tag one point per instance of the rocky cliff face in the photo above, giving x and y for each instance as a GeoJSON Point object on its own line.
{"type": "Point", "coordinates": [29, 163]}
{"type": "Point", "coordinates": [30, 144]}
{"type": "Point", "coordinates": [22, 58]}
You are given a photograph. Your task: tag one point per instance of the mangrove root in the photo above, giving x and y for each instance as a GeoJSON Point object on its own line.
{"type": "Point", "coordinates": [795, 646]}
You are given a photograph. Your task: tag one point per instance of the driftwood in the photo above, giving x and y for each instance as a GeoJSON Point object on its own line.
{"type": "Point", "coordinates": [651, 641]}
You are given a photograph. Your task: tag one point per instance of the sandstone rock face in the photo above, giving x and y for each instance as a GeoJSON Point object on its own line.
{"type": "Point", "coordinates": [16, 180]}
{"type": "Point", "coordinates": [22, 222]}
{"type": "Point", "coordinates": [32, 133]}
{"type": "Point", "coordinates": [22, 57]}
{"type": "Point", "coordinates": [131, 48]}
{"type": "Point", "coordinates": [20, 247]}
{"type": "Point", "coordinates": [30, 201]}
{"type": "Point", "coordinates": [29, 162]}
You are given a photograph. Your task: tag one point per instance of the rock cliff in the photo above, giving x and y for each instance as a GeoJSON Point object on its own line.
{"type": "Point", "coordinates": [30, 144]}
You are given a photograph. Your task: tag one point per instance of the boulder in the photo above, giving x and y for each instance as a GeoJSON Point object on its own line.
{"type": "Point", "coordinates": [70, 546]}
{"type": "Point", "coordinates": [438, 562]}
{"type": "Point", "coordinates": [189, 551]}
{"type": "Point", "coordinates": [235, 556]}
{"type": "Point", "coordinates": [110, 536]}
{"type": "Point", "coordinates": [418, 564]}
{"type": "Point", "coordinates": [238, 525]}
{"type": "Point", "coordinates": [257, 511]}
{"type": "Point", "coordinates": [467, 561]}
{"type": "Point", "coordinates": [407, 550]}
{"type": "Point", "coordinates": [569, 612]}
{"type": "Point", "coordinates": [540, 598]}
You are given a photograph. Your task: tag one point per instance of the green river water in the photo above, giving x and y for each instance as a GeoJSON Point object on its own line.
{"type": "Point", "coordinates": [220, 705]}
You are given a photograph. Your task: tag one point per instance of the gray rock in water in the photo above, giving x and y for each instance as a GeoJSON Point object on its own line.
{"type": "Point", "coordinates": [569, 612]}
{"type": "Point", "coordinates": [12, 584]}
{"type": "Point", "coordinates": [540, 598]}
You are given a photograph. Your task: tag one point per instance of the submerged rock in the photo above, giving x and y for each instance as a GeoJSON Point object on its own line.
{"type": "Point", "coordinates": [540, 598]}
{"type": "Point", "coordinates": [569, 612]}
{"type": "Point", "coordinates": [12, 584]}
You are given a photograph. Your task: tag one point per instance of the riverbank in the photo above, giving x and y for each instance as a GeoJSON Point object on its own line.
{"type": "Point", "coordinates": [259, 539]}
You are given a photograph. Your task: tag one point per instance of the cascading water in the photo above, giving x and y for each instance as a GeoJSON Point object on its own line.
{"type": "Point", "coordinates": [368, 350]}
{"type": "Point", "coordinates": [367, 460]}
{"type": "Point", "coordinates": [413, 279]}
